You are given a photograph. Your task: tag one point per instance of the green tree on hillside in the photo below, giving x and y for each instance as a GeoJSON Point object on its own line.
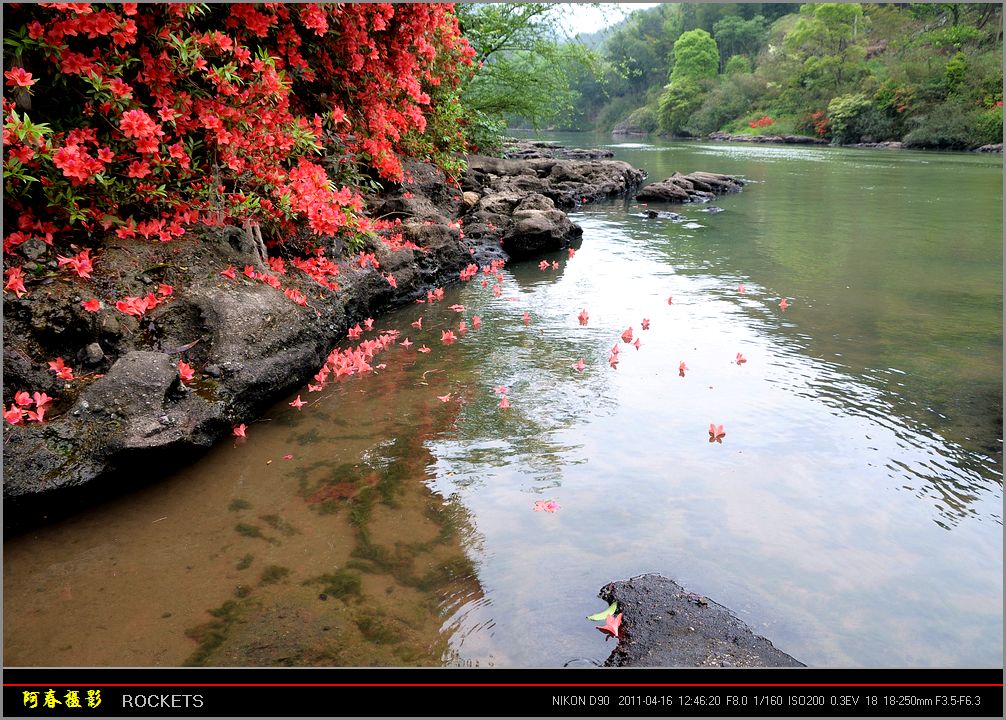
{"type": "Point", "coordinates": [736, 36]}
{"type": "Point", "coordinates": [695, 57]}
{"type": "Point", "coordinates": [830, 40]}
{"type": "Point", "coordinates": [522, 71]}
{"type": "Point", "coordinates": [696, 61]}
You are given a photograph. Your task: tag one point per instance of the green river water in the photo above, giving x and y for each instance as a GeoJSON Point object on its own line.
{"type": "Point", "coordinates": [852, 513]}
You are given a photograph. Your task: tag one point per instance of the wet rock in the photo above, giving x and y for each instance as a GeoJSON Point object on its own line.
{"type": "Point", "coordinates": [695, 187]}
{"type": "Point", "coordinates": [654, 214]}
{"type": "Point", "coordinates": [994, 148]}
{"type": "Point", "coordinates": [663, 625]}
{"type": "Point", "coordinates": [886, 145]}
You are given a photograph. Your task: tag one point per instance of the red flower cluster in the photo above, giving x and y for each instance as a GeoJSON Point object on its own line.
{"type": "Point", "coordinates": [19, 411]}
{"type": "Point", "coordinates": [763, 121]}
{"type": "Point", "coordinates": [172, 115]}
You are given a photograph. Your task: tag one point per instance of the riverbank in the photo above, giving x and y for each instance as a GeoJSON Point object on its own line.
{"type": "Point", "coordinates": [784, 139]}
{"type": "Point", "coordinates": [252, 327]}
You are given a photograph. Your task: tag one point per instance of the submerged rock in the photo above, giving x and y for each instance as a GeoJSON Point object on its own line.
{"type": "Point", "coordinates": [663, 625]}
{"type": "Point", "coordinates": [695, 187]}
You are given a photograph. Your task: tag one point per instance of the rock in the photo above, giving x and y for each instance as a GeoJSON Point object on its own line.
{"type": "Point", "coordinates": [781, 139]}
{"type": "Point", "coordinates": [539, 231]}
{"type": "Point", "coordinates": [34, 248]}
{"type": "Point", "coordinates": [654, 214]}
{"type": "Point", "coordinates": [696, 187]}
{"type": "Point", "coordinates": [469, 200]}
{"type": "Point", "coordinates": [537, 150]}
{"type": "Point", "coordinates": [665, 626]}
{"type": "Point", "coordinates": [93, 354]}
{"type": "Point", "coordinates": [887, 145]}
{"type": "Point", "coordinates": [566, 182]}
{"type": "Point", "coordinates": [995, 148]}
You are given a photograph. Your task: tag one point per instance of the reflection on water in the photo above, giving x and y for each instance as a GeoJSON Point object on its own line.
{"type": "Point", "coordinates": [852, 514]}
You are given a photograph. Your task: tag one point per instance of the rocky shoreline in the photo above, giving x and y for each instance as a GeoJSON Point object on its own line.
{"type": "Point", "coordinates": [126, 419]}
{"type": "Point", "coordinates": [779, 139]}
{"type": "Point", "coordinates": [663, 625]}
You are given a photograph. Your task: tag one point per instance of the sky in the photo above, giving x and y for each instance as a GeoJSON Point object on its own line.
{"type": "Point", "coordinates": [580, 18]}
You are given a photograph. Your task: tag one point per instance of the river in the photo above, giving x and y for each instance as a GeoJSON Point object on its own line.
{"type": "Point", "coordinates": [852, 513]}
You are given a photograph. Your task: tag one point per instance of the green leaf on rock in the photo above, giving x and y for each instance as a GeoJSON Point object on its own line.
{"type": "Point", "coordinates": [598, 617]}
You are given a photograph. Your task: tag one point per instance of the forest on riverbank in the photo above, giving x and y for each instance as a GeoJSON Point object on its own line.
{"type": "Point", "coordinates": [929, 75]}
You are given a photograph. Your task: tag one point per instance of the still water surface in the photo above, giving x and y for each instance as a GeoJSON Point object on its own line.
{"type": "Point", "coordinates": [852, 513]}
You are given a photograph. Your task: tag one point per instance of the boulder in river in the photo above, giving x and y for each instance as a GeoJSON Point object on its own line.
{"type": "Point", "coordinates": [695, 187]}
{"type": "Point", "coordinates": [663, 625]}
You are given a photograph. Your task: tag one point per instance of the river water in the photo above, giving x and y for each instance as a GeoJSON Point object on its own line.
{"type": "Point", "coordinates": [852, 513]}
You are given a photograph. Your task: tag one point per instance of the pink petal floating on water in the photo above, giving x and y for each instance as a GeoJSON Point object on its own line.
{"type": "Point", "coordinates": [716, 433]}
{"type": "Point", "coordinates": [579, 366]}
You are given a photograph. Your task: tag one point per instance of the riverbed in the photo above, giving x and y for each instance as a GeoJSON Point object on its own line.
{"type": "Point", "coordinates": [852, 512]}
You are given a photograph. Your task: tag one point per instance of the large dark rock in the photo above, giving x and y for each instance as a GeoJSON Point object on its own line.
{"type": "Point", "coordinates": [695, 187]}
{"type": "Point", "coordinates": [663, 625]}
{"type": "Point", "coordinates": [567, 183]}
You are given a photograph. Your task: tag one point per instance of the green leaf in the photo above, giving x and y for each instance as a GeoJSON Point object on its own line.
{"type": "Point", "coordinates": [599, 617]}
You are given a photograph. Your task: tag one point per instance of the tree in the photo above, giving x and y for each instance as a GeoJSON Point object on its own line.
{"type": "Point", "coordinates": [695, 57]}
{"type": "Point", "coordinates": [829, 38]}
{"type": "Point", "coordinates": [677, 103]}
{"type": "Point", "coordinates": [522, 70]}
{"type": "Point", "coordinates": [736, 36]}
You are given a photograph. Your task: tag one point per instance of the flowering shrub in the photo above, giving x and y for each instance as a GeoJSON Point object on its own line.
{"type": "Point", "coordinates": [147, 119]}
{"type": "Point", "coordinates": [763, 121]}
